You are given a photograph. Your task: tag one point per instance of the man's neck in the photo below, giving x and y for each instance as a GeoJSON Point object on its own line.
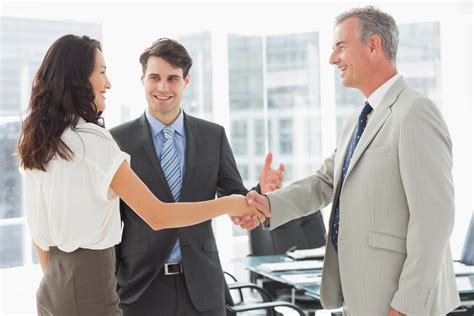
{"type": "Point", "coordinates": [378, 78]}
{"type": "Point", "coordinates": [166, 118]}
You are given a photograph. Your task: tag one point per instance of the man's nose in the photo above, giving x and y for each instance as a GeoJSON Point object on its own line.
{"type": "Point", "coordinates": [162, 85]}
{"type": "Point", "coordinates": [333, 58]}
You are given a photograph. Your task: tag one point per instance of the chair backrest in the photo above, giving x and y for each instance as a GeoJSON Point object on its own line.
{"type": "Point", "coordinates": [303, 233]}
{"type": "Point", "coordinates": [468, 251]}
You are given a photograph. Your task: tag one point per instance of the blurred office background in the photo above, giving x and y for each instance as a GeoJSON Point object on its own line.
{"type": "Point", "coordinates": [260, 69]}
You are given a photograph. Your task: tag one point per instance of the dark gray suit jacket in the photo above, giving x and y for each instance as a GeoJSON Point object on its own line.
{"type": "Point", "coordinates": [209, 168]}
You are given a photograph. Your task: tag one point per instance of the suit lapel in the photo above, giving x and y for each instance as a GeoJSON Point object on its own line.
{"type": "Point", "coordinates": [148, 147]}
{"type": "Point", "coordinates": [343, 146]}
{"type": "Point", "coordinates": [191, 153]}
{"type": "Point", "coordinates": [377, 120]}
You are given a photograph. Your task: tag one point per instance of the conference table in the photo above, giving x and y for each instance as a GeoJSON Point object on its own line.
{"type": "Point", "coordinates": [305, 275]}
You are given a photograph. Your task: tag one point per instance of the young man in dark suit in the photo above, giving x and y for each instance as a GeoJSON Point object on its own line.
{"type": "Point", "coordinates": [180, 158]}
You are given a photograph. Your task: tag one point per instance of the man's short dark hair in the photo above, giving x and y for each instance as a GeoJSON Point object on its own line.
{"type": "Point", "coordinates": [171, 51]}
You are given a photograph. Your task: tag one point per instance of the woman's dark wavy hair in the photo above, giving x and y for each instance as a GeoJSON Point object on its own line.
{"type": "Point", "coordinates": [60, 96]}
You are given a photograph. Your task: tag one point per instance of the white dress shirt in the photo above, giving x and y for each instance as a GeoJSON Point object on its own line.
{"type": "Point", "coordinates": [71, 205]}
{"type": "Point", "coordinates": [376, 97]}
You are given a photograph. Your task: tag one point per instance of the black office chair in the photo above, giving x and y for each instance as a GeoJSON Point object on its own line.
{"type": "Point", "coordinates": [233, 306]}
{"type": "Point", "coordinates": [303, 233]}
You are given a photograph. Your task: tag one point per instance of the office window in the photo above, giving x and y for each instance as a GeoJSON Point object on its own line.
{"type": "Point", "coordinates": [11, 209]}
{"type": "Point", "coordinates": [285, 97]}
{"type": "Point", "coordinates": [312, 131]}
{"type": "Point", "coordinates": [11, 245]}
{"type": "Point", "coordinates": [239, 137]}
{"type": "Point", "coordinates": [289, 173]}
{"type": "Point", "coordinates": [259, 138]}
{"type": "Point", "coordinates": [286, 136]}
{"type": "Point", "coordinates": [197, 98]}
{"type": "Point", "coordinates": [419, 58]}
{"type": "Point", "coordinates": [245, 72]}
{"type": "Point", "coordinates": [244, 171]}
{"type": "Point", "coordinates": [292, 92]}
{"type": "Point", "coordinates": [10, 190]}
{"type": "Point", "coordinates": [293, 70]}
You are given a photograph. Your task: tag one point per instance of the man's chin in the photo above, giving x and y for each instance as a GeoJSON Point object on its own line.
{"type": "Point", "coordinates": [163, 109]}
{"type": "Point", "coordinates": [161, 106]}
{"type": "Point", "coordinates": [347, 84]}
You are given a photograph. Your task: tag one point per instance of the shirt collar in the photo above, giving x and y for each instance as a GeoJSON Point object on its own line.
{"type": "Point", "coordinates": [157, 126]}
{"type": "Point", "coordinates": [376, 97]}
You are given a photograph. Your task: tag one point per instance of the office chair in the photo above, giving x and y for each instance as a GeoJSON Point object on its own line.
{"type": "Point", "coordinates": [303, 233]}
{"type": "Point", "coordinates": [468, 250]}
{"type": "Point", "coordinates": [266, 303]}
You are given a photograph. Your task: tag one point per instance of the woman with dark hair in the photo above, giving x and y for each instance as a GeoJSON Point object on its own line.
{"type": "Point", "coordinates": [74, 174]}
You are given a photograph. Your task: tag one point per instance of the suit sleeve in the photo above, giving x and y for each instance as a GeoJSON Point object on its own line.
{"type": "Point", "coordinates": [302, 197]}
{"type": "Point", "coordinates": [425, 160]}
{"type": "Point", "coordinates": [229, 180]}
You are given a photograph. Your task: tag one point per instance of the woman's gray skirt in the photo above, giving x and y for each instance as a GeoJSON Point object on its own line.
{"type": "Point", "coordinates": [81, 282]}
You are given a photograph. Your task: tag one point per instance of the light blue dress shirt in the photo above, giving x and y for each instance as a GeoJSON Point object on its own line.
{"type": "Point", "coordinates": [180, 145]}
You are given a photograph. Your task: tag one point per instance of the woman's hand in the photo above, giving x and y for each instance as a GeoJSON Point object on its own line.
{"type": "Point", "coordinates": [240, 207]}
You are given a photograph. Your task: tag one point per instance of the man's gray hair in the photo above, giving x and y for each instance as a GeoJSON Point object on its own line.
{"type": "Point", "coordinates": [375, 22]}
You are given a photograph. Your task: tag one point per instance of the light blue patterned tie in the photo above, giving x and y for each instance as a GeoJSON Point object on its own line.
{"type": "Point", "coordinates": [361, 123]}
{"type": "Point", "coordinates": [171, 169]}
{"type": "Point", "coordinates": [170, 163]}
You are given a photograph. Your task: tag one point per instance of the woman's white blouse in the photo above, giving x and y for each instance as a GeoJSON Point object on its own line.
{"type": "Point", "coordinates": [71, 205]}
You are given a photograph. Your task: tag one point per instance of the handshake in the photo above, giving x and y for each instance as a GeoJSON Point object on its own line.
{"type": "Point", "coordinates": [257, 208]}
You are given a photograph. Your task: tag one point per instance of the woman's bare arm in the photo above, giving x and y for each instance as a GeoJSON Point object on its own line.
{"type": "Point", "coordinates": [159, 215]}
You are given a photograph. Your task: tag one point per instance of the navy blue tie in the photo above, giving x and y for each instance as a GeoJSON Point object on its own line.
{"type": "Point", "coordinates": [354, 141]}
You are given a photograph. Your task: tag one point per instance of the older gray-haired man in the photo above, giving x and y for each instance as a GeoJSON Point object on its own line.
{"type": "Point", "coordinates": [389, 182]}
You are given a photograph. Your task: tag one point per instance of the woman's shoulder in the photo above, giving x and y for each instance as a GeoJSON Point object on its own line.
{"type": "Point", "coordinates": [88, 135]}
{"type": "Point", "coordinates": [89, 131]}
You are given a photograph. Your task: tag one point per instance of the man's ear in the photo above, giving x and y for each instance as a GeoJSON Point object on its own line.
{"type": "Point", "coordinates": [186, 81]}
{"type": "Point", "coordinates": [375, 44]}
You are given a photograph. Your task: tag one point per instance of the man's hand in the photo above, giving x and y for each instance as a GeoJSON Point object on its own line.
{"type": "Point", "coordinates": [393, 312]}
{"type": "Point", "coordinates": [259, 201]}
{"type": "Point", "coordinates": [270, 179]}
{"type": "Point", "coordinates": [246, 222]}
{"type": "Point", "coordinates": [250, 222]}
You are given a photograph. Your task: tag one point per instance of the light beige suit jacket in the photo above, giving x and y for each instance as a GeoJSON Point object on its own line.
{"type": "Point", "coordinates": [396, 211]}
